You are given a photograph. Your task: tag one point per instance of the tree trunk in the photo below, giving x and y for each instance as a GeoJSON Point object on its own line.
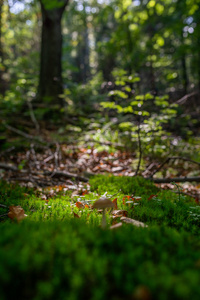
{"type": "Point", "coordinates": [50, 81]}
{"type": "Point", "coordinates": [185, 80]}
{"type": "Point", "coordinates": [3, 83]}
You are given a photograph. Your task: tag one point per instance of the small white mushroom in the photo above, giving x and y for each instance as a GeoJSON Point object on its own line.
{"type": "Point", "coordinates": [103, 203]}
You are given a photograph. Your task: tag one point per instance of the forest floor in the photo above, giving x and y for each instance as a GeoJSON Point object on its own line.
{"type": "Point", "coordinates": [52, 243]}
{"type": "Point", "coordinates": [44, 161]}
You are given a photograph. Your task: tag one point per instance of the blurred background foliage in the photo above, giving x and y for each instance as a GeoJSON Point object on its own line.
{"type": "Point", "coordinates": [125, 63]}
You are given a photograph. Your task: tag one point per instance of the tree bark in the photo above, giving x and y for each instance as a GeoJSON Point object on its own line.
{"type": "Point", "coordinates": [50, 81]}
{"type": "Point", "coordinates": [3, 83]}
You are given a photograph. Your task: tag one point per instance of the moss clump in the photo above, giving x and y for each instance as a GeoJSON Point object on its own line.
{"type": "Point", "coordinates": [69, 260]}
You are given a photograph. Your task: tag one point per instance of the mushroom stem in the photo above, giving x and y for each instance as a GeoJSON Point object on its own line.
{"type": "Point", "coordinates": [103, 223]}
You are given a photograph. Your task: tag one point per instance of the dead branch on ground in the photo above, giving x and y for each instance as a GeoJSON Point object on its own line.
{"type": "Point", "coordinates": [175, 179]}
{"type": "Point", "coordinates": [173, 158]}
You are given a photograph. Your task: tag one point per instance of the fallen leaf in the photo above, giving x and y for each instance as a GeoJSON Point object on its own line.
{"type": "Point", "coordinates": [128, 198]}
{"type": "Point", "coordinates": [85, 192]}
{"type": "Point", "coordinates": [133, 222]}
{"type": "Point", "coordinates": [43, 197]}
{"type": "Point", "coordinates": [80, 204]}
{"type": "Point", "coordinates": [115, 203]}
{"type": "Point", "coordinates": [120, 213]}
{"type": "Point", "coordinates": [75, 215]}
{"type": "Point", "coordinates": [16, 212]}
{"type": "Point", "coordinates": [152, 196]}
{"type": "Point", "coordinates": [116, 225]}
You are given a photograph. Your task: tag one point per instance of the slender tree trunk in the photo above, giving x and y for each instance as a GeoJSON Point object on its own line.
{"type": "Point", "coordinates": [198, 55]}
{"type": "Point", "coordinates": [50, 80]}
{"type": "Point", "coordinates": [185, 76]}
{"type": "Point", "coordinates": [184, 69]}
{"type": "Point", "coordinates": [2, 81]}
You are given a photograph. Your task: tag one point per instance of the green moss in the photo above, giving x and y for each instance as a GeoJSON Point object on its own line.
{"type": "Point", "coordinates": [70, 260]}
{"type": "Point", "coordinates": [51, 255]}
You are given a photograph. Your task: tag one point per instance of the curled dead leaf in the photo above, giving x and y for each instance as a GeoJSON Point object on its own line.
{"type": "Point", "coordinates": [115, 203]}
{"type": "Point", "coordinates": [16, 212]}
{"type": "Point", "coordinates": [120, 213]}
{"type": "Point", "coordinates": [80, 204]}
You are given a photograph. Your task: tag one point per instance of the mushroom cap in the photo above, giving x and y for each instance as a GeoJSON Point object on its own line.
{"type": "Point", "coordinates": [103, 202]}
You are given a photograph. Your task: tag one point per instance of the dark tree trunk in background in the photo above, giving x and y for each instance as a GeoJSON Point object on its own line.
{"type": "Point", "coordinates": [50, 80]}
{"type": "Point", "coordinates": [198, 47]}
{"type": "Point", "coordinates": [83, 55]}
{"type": "Point", "coordinates": [3, 83]}
{"type": "Point", "coordinates": [185, 76]}
{"type": "Point", "coordinates": [185, 79]}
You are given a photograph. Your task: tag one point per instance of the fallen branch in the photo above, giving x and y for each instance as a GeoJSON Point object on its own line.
{"type": "Point", "coordinates": [4, 215]}
{"type": "Point", "coordinates": [8, 167]}
{"type": "Point", "coordinates": [48, 173]}
{"type": "Point", "coordinates": [174, 158]}
{"type": "Point", "coordinates": [6, 151]}
{"type": "Point", "coordinates": [25, 135]}
{"type": "Point", "coordinates": [3, 206]}
{"type": "Point", "coordinates": [185, 98]}
{"type": "Point", "coordinates": [175, 179]}
{"type": "Point", "coordinates": [66, 175]}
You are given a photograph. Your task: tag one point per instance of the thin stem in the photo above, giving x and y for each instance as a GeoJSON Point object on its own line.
{"type": "Point", "coordinates": [140, 149]}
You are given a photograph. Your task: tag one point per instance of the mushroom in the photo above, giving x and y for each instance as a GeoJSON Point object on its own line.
{"type": "Point", "coordinates": [103, 203]}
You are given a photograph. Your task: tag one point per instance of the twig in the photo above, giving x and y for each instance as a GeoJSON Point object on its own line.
{"type": "Point", "coordinates": [140, 150]}
{"type": "Point", "coordinates": [66, 175]}
{"type": "Point", "coordinates": [26, 135]}
{"type": "Point", "coordinates": [7, 151]}
{"type": "Point", "coordinates": [8, 167]}
{"type": "Point", "coordinates": [175, 179]}
{"type": "Point", "coordinates": [52, 174]}
{"type": "Point", "coordinates": [56, 155]}
{"type": "Point", "coordinates": [3, 206]}
{"type": "Point", "coordinates": [37, 164]}
{"type": "Point", "coordinates": [185, 98]}
{"type": "Point", "coordinates": [4, 215]}
{"type": "Point", "coordinates": [32, 115]}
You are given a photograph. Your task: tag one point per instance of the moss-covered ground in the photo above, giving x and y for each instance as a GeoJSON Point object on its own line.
{"type": "Point", "coordinates": [59, 251]}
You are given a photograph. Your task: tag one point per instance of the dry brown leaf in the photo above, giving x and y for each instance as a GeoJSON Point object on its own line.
{"type": "Point", "coordinates": [116, 225]}
{"type": "Point", "coordinates": [80, 204]}
{"type": "Point", "coordinates": [115, 203]}
{"type": "Point", "coordinates": [76, 215]}
{"type": "Point", "coordinates": [16, 212]}
{"type": "Point", "coordinates": [120, 213]}
{"type": "Point", "coordinates": [133, 222]}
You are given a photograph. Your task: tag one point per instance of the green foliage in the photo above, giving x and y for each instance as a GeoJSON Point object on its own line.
{"type": "Point", "coordinates": [53, 4]}
{"type": "Point", "coordinates": [148, 112]}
